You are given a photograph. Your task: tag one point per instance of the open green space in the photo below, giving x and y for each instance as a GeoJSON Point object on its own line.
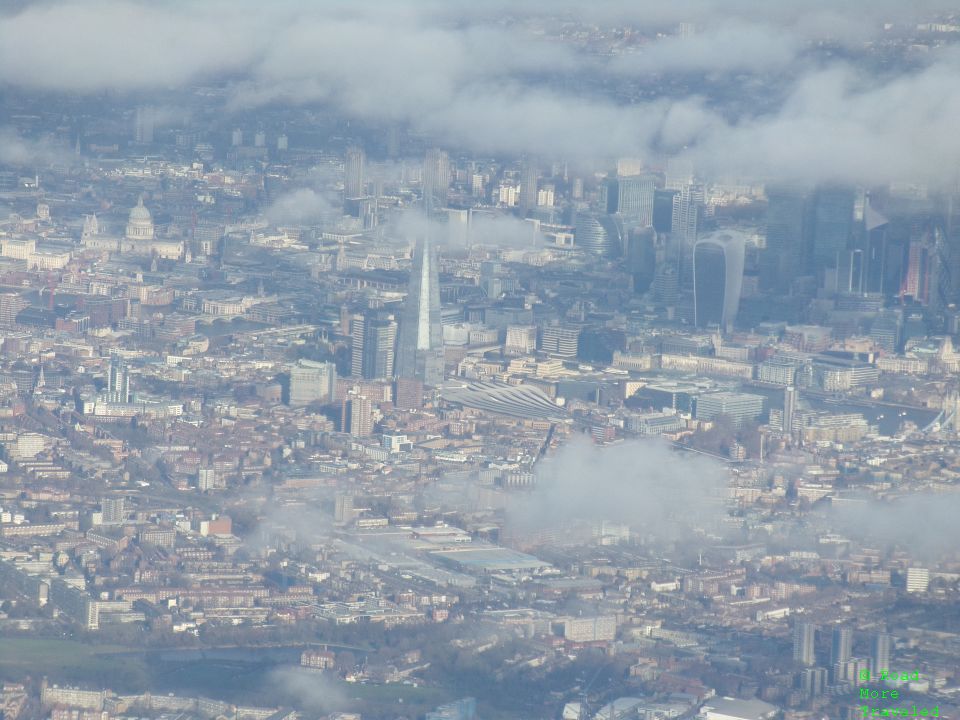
{"type": "Point", "coordinates": [64, 660]}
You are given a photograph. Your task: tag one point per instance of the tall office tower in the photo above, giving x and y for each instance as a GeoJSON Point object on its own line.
{"type": "Point", "coordinates": [841, 645]}
{"type": "Point", "coordinates": [918, 273]}
{"type": "Point", "coordinates": [353, 172]}
{"type": "Point", "coordinates": [379, 348]}
{"type": "Point", "coordinates": [874, 242]}
{"type": "Point", "coordinates": [788, 228]}
{"type": "Point", "coordinates": [358, 334]}
{"type": "Point", "coordinates": [118, 381]}
{"type": "Point", "coordinates": [144, 124]}
{"type": "Point", "coordinates": [789, 409]}
{"type": "Point", "coordinates": [632, 197]}
{"type": "Point", "coordinates": [641, 258]}
{"type": "Point", "coordinates": [718, 277]}
{"type": "Point", "coordinates": [663, 201]}
{"type": "Point", "coordinates": [259, 139]}
{"type": "Point", "coordinates": [112, 510]}
{"type": "Point", "coordinates": [599, 234]}
{"type": "Point", "coordinates": [804, 638]}
{"type": "Point", "coordinates": [880, 652]}
{"type": "Point", "coordinates": [833, 207]}
{"type": "Point", "coordinates": [528, 185]}
{"type": "Point", "coordinates": [420, 347]}
{"type": "Point", "coordinates": [236, 137]}
{"type": "Point", "coordinates": [436, 179]}
{"type": "Point", "coordinates": [312, 382]}
{"type": "Point", "coordinates": [685, 226]}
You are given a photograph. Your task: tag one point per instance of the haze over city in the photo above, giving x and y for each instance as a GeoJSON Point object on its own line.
{"type": "Point", "coordinates": [456, 361]}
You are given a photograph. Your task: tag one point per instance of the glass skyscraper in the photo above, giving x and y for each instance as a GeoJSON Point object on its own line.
{"type": "Point", "coordinates": [718, 278]}
{"type": "Point", "coordinates": [420, 349]}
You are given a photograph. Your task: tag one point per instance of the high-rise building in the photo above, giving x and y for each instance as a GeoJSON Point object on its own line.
{"type": "Point", "coordinates": [685, 226]}
{"type": "Point", "coordinates": [358, 414]}
{"type": "Point", "coordinates": [880, 649]}
{"type": "Point", "coordinates": [113, 510]}
{"type": "Point", "coordinates": [663, 201]}
{"type": "Point", "coordinates": [833, 207]}
{"type": "Point", "coordinates": [813, 681]}
{"type": "Point", "coordinates": [144, 124]}
{"type": "Point", "coordinates": [841, 645]}
{"type": "Point", "coordinates": [379, 348]}
{"type": "Point", "coordinates": [599, 233]}
{"type": "Point", "coordinates": [528, 185]}
{"type": "Point", "coordinates": [788, 228]}
{"type": "Point", "coordinates": [420, 347]}
{"type": "Point", "coordinates": [343, 508]}
{"type": "Point", "coordinates": [718, 276]}
{"type": "Point", "coordinates": [632, 197]}
{"type": "Point", "coordinates": [358, 335]}
{"type": "Point", "coordinates": [10, 306]}
{"type": "Point", "coordinates": [918, 579]}
{"type": "Point", "coordinates": [436, 179]}
{"type": "Point", "coordinates": [789, 409]}
{"type": "Point", "coordinates": [312, 382]}
{"type": "Point", "coordinates": [641, 257]}
{"type": "Point", "coordinates": [804, 639]}
{"type": "Point", "coordinates": [353, 172]}
{"type": "Point", "coordinates": [118, 382]}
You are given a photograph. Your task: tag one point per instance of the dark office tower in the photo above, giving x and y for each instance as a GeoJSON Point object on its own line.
{"type": "Point", "coordinates": [841, 645]}
{"type": "Point", "coordinates": [599, 233]}
{"type": "Point", "coordinates": [353, 171]}
{"type": "Point", "coordinates": [528, 185]}
{"type": "Point", "coordinates": [832, 224]}
{"type": "Point", "coordinates": [641, 258]}
{"type": "Point", "coordinates": [420, 348]}
{"type": "Point", "coordinates": [880, 649]}
{"type": "Point", "coordinates": [804, 638]}
{"type": "Point", "coordinates": [631, 196]}
{"type": "Point", "coordinates": [875, 249]}
{"type": "Point", "coordinates": [436, 179]}
{"type": "Point", "coordinates": [917, 273]}
{"type": "Point", "coordinates": [663, 210]}
{"type": "Point", "coordinates": [378, 348]}
{"type": "Point", "coordinates": [718, 277]}
{"type": "Point", "coordinates": [787, 229]}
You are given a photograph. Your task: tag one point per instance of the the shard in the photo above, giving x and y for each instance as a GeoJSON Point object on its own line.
{"type": "Point", "coordinates": [420, 348]}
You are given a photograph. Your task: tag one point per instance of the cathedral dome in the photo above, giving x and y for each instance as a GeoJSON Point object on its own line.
{"type": "Point", "coordinates": [139, 213]}
{"type": "Point", "coordinates": [140, 223]}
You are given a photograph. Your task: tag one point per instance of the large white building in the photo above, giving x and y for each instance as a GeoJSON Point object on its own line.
{"type": "Point", "coordinates": [139, 237]}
